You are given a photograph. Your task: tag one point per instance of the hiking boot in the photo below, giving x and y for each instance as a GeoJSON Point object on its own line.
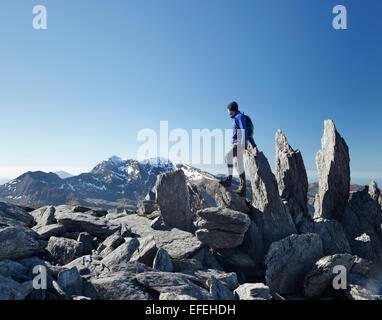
{"type": "Point", "coordinates": [227, 182]}
{"type": "Point", "coordinates": [242, 191]}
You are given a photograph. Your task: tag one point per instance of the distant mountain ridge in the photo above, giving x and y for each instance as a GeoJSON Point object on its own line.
{"type": "Point", "coordinates": [115, 182]}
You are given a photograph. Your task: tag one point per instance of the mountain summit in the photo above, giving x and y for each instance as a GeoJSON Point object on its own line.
{"type": "Point", "coordinates": [113, 182]}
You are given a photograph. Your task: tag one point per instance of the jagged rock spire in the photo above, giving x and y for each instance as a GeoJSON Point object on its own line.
{"type": "Point", "coordinates": [333, 165]}
{"type": "Point", "coordinates": [275, 219]}
{"type": "Point", "coordinates": [291, 178]}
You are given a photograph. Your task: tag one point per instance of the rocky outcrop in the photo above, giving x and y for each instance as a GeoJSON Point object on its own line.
{"type": "Point", "coordinates": [84, 222]}
{"type": "Point", "coordinates": [275, 222]}
{"type": "Point", "coordinates": [332, 234]}
{"type": "Point", "coordinates": [171, 192]}
{"type": "Point", "coordinates": [225, 198]}
{"type": "Point", "coordinates": [291, 179]}
{"type": "Point", "coordinates": [333, 165]}
{"type": "Point", "coordinates": [17, 241]}
{"type": "Point", "coordinates": [320, 278]}
{"type": "Point", "coordinates": [289, 260]}
{"type": "Point", "coordinates": [221, 227]}
{"type": "Point", "coordinates": [64, 250]}
{"type": "Point", "coordinates": [362, 224]}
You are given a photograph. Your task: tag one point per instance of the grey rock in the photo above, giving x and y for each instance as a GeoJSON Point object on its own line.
{"type": "Point", "coordinates": [225, 198]}
{"type": "Point", "coordinates": [228, 278]}
{"type": "Point", "coordinates": [177, 283]}
{"type": "Point", "coordinates": [363, 226]}
{"type": "Point", "coordinates": [367, 269]}
{"type": "Point", "coordinates": [221, 227]}
{"type": "Point", "coordinates": [172, 196]}
{"type": "Point", "coordinates": [86, 240]}
{"type": "Point", "coordinates": [252, 291]}
{"type": "Point", "coordinates": [253, 243]}
{"type": "Point", "coordinates": [162, 261]}
{"type": "Point", "coordinates": [196, 200]}
{"type": "Point", "coordinates": [235, 257]}
{"type": "Point", "coordinates": [146, 251]}
{"type": "Point", "coordinates": [289, 260]}
{"type": "Point", "coordinates": [44, 216]}
{"type": "Point", "coordinates": [179, 244]}
{"type": "Point", "coordinates": [47, 231]}
{"type": "Point", "coordinates": [64, 250]}
{"type": "Point", "coordinates": [361, 288]}
{"type": "Point", "coordinates": [218, 290]}
{"type": "Point", "coordinates": [146, 206]}
{"type": "Point", "coordinates": [186, 264]}
{"type": "Point", "coordinates": [17, 241]}
{"type": "Point", "coordinates": [70, 282]}
{"type": "Point", "coordinates": [118, 285]}
{"type": "Point", "coordinates": [273, 219]}
{"type": "Point", "coordinates": [333, 165]}
{"type": "Point", "coordinates": [157, 223]}
{"type": "Point", "coordinates": [13, 290]}
{"type": "Point", "coordinates": [332, 234]}
{"type": "Point", "coordinates": [320, 278]}
{"type": "Point", "coordinates": [87, 265]}
{"type": "Point", "coordinates": [12, 215]}
{"type": "Point", "coordinates": [83, 222]}
{"type": "Point", "coordinates": [13, 269]}
{"type": "Point", "coordinates": [123, 253]}
{"type": "Point", "coordinates": [113, 242]}
{"type": "Point", "coordinates": [291, 178]}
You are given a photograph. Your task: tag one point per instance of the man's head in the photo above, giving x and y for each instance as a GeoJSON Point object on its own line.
{"type": "Point", "coordinates": [232, 108]}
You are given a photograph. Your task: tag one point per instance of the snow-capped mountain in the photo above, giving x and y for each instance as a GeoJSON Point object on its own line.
{"type": "Point", "coordinates": [113, 182]}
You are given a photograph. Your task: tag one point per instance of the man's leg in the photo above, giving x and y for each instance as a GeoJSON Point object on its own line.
{"type": "Point", "coordinates": [239, 153]}
{"type": "Point", "coordinates": [229, 161]}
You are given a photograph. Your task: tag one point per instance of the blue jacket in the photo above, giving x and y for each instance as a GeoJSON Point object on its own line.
{"type": "Point", "coordinates": [241, 122]}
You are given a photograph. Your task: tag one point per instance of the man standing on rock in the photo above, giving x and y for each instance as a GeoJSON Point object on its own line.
{"type": "Point", "coordinates": [242, 134]}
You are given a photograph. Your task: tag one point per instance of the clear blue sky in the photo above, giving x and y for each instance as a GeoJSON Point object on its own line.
{"type": "Point", "coordinates": [80, 91]}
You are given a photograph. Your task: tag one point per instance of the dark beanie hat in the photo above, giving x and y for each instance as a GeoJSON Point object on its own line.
{"type": "Point", "coordinates": [233, 106]}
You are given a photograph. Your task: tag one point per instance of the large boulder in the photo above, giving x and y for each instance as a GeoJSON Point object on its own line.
{"type": "Point", "coordinates": [122, 254]}
{"type": "Point", "coordinates": [332, 234]}
{"type": "Point", "coordinates": [274, 220]}
{"type": "Point", "coordinates": [44, 216]}
{"type": "Point", "coordinates": [221, 227]}
{"type": "Point", "coordinates": [70, 282]}
{"type": "Point", "coordinates": [162, 261]}
{"type": "Point", "coordinates": [171, 192]}
{"type": "Point", "coordinates": [17, 241]}
{"type": "Point", "coordinates": [118, 284]}
{"type": "Point", "coordinates": [178, 243]}
{"type": "Point", "coordinates": [177, 283]}
{"type": "Point", "coordinates": [84, 222]}
{"type": "Point", "coordinates": [146, 251]}
{"type": "Point", "coordinates": [47, 231]}
{"type": "Point", "coordinates": [292, 179]}
{"type": "Point", "coordinates": [289, 260]}
{"type": "Point", "coordinates": [13, 290]}
{"type": "Point", "coordinates": [320, 278]}
{"type": "Point", "coordinates": [64, 250]}
{"type": "Point", "coordinates": [362, 224]}
{"type": "Point", "coordinates": [333, 165]}
{"type": "Point", "coordinates": [225, 198]}
{"type": "Point", "coordinates": [13, 215]}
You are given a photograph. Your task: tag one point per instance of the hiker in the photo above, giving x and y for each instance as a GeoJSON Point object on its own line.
{"type": "Point", "coordinates": [242, 134]}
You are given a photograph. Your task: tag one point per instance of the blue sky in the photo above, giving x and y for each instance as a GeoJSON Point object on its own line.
{"type": "Point", "coordinates": [81, 90]}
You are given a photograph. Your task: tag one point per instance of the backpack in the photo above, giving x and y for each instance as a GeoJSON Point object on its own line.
{"type": "Point", "coordinates": [249, 126]}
